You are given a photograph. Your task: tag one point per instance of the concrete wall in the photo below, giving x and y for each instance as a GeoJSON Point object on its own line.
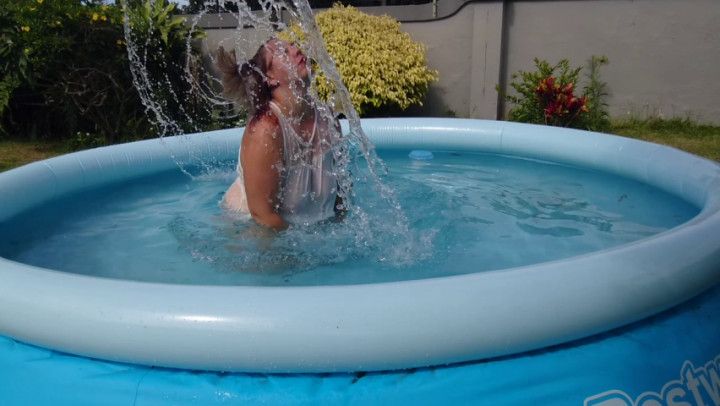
{"type": "Point", "coordinates": [664, 54]}
{"type": "Point", "coordinates": [465, 49]}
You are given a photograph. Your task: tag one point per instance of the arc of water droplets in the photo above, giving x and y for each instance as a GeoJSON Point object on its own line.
{"type": "Point", "coordinates": [267, 19]}
{"type": "Point", "coordinates": [357, 136]}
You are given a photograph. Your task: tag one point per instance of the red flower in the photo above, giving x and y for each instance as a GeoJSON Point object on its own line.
{"type": "Point", "coordinates": [558, 100]}
{"type": "Point", "coordinates": [551, 109]}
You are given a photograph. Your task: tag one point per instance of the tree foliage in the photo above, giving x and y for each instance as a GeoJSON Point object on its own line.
{"type": "Point", "coordinates": [65, 71]}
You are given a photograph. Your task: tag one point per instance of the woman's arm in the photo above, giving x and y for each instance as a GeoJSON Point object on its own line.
{"type": "Point", "coordinates": [261, 160]}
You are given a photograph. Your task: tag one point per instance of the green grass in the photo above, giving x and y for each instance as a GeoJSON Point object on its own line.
{"type": "Point", "coordinates": [15, 153]}
{"type": "Point", "coordinates": [698, 139]}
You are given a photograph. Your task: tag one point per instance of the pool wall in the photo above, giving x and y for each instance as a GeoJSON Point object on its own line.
{"type": "Point", "coordinates": [647, 363]}
{"type": "Point", "coordinates": [374, 326]}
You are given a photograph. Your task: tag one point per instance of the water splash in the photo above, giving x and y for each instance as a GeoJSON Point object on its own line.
{"type": "Point", "coordinates": [357, 164]}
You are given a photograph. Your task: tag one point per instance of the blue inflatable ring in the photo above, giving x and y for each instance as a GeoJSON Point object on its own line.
{"type": "Point", "coordinates": [373, 326]}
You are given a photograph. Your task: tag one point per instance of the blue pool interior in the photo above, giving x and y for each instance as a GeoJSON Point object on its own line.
{"type": "Point", "coordinates": [468, 212]}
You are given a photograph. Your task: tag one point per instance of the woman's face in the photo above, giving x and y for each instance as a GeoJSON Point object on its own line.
{"type": "Point", "coordinates": [287, 65]}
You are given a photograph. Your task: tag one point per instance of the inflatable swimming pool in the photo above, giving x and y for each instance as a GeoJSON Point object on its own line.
{"type": "Point", "coordinates": [372, 327]}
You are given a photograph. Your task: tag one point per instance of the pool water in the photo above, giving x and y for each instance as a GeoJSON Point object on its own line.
{"type": "Point", "coordinates": [467, 212]}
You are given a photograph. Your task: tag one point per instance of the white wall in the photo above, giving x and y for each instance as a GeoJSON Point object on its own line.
{"type": "Point", "coordinates": [664, 54]}
{"type": "Point", "coordinates": [466, 49]}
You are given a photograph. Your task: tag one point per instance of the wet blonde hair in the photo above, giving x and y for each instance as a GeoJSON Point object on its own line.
{"type": "Point", "coordinates": [245, 83]}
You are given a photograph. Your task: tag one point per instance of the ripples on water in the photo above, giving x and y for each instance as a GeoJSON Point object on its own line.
{"type": "Point", "coordinates": [466, 213]}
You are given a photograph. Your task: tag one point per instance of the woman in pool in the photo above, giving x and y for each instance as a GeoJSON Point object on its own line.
{"type": "Point", "coordinates": [286, 173]}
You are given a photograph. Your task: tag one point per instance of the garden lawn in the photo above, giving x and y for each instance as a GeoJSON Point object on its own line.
{"type": "Point", "coordinates": [17, 153]}
{"type": "Point", "coordinates": [698, 139]}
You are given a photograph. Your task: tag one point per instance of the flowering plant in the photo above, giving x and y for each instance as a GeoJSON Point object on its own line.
{"type": "Point", "coordinates": [547, 96]}
{"type": "Point", "coordinates": [561, 105]}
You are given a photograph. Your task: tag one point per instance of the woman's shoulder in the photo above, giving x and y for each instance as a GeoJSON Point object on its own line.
{"type": "Point", "coordinates": [262, 125]}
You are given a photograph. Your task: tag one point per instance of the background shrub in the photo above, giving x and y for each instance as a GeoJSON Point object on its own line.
{"type": "Point", "coordinates": [65, 71]}
{"type": "Point", "coordinates": [67, 67]}
{"type": "Point", "coordinates": [548, 96]}
{"type": "Point", "coordinates": [382, 67]}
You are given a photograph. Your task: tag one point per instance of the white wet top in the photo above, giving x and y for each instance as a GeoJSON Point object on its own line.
{"type": "Point", "coordinates": [308, 182]}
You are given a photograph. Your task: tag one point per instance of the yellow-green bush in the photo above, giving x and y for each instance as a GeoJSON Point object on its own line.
{"type": "Point", "coordinates": [380, 65]}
